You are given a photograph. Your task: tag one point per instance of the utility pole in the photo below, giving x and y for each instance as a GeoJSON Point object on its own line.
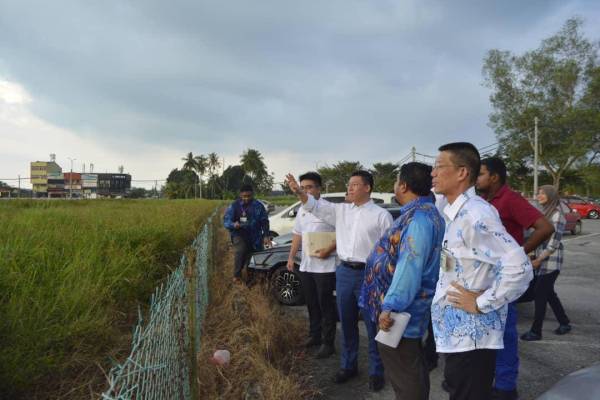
{"type": "Point", "coordinates": [535, 157]}
{"type": "Point", "coordinates": [71, 179]}
{"type": "Point", "coordinates": [413, 153]}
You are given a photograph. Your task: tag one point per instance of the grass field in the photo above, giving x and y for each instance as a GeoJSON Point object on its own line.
{"type": "Point", "coordinates": [71, 277]}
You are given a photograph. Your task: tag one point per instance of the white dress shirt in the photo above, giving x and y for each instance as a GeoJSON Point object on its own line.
{"type": "Point", "coordinates": [307, 223]}
{"type": "Point", "coordinates": [357, 228]}
{"type": "Point", "coordinates": [482, 256]}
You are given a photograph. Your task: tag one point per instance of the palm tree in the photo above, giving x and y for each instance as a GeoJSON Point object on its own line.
{"type": "Point", "coordinates": [253, 163]}
{"type": "Point", "coordinates": [213, 164]}
{"type": "Point", "coordinates": [190, 162]}
{"type": "Point", "coordinates": [201, 164]}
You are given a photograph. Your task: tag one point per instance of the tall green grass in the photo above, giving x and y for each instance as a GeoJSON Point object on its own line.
{"type": "Point", "coordinates": [71, 277]}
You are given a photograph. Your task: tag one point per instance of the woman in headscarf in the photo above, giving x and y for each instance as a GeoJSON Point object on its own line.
{"type": "Point", "coordinates": [547, 264]}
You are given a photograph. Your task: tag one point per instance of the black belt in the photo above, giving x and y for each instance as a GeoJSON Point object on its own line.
{"type": "Point", "coordinates": [354, 265]}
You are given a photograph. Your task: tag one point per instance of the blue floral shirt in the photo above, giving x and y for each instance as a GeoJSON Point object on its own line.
{"type": "Point", "coordinates": [256, 227]}
{"type": "Point", "coordinates": [480, 256]}
{"type": "Point", "coordinates": [402, 269]}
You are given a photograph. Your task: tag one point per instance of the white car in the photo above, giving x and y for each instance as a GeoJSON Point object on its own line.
{"type": "Point", "coordinates": [283, 222]}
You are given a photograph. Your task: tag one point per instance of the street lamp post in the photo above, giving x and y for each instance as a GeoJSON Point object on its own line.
{"type": "Point", "coordinates": [71, 179]}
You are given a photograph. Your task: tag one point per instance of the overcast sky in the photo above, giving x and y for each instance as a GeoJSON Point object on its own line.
{"type": "Point", "coordinates": [141, 83]}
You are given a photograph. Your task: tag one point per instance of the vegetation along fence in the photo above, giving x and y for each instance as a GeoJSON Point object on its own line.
{"type": "Point", "coordinates": [161, 364]}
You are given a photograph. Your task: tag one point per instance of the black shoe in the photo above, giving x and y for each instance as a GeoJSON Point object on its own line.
{"type": "Point", "coordinates": [445, 386]}
{"type": "Point", "coordinates": [325, 351]}
{"type": "Point", "coordinates": [344, 374]}
{"type": "Point", "coordinates": [531, 336]}
{"type": "Point", "coordinates": [563, 329]}
{"type": "Point", "coordinates": [376, 383]}
{"type": "Point", "coordinates": [498, 394]}
{"type": "Point", "coordinates": [311, 341]}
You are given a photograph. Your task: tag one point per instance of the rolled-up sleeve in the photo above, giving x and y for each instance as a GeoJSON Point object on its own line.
{"type": "Point", "coordinates": [491, 244]}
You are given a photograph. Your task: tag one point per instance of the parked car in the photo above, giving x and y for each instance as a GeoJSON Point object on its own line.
{"type": "Point", "coordinates": [270, 207]}
{"type": "Point", "coordinates": [285, 285]}
{"type": "Point", "coordinates": [579, 385]}
{"type": "Point", "coordinates": [573, 219]}
{"type": "Point", "coordinates": [283, 222]}
{"type": "Point", "coordinates": [586, 209]}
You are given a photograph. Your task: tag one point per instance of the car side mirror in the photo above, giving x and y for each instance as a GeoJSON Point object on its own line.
{"type": "Point", "coordinates": [292, 214]}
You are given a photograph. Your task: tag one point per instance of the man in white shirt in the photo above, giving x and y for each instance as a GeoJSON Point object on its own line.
{"type": "Point", "coordinates": [482, 269]}
{"type": "Point", "coordinates": [358, 226]}
{"type": "Point", "coordinates": [317, 273]}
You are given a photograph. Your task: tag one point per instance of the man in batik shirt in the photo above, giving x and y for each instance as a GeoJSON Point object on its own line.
{"type": "Point", "coordinates": [400, 276]}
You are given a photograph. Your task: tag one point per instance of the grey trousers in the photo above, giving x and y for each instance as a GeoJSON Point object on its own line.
{"type": "Point", "coordinates": [405, 369]}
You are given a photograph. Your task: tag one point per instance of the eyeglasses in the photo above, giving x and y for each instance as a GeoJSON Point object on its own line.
{"type": "Point", "coordinates": [441, 166]}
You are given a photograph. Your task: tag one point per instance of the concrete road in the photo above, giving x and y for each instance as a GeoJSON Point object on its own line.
{"type": "Point", "coordinates": [542, 363]}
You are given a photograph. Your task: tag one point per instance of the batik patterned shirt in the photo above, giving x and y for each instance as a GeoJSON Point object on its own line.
{"type": "Point", "coordinates": [482, 257]}
{"type": "Point", "coordinates": [403, 268]}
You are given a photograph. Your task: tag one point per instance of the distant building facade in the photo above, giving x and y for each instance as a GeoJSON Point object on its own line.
{"type": "Point", "coordinates": [89, 185]}
{"type": "Point", "coordinates": [73, 184]}
{"type": "Point", "coordinates": [113, 185]}
{"type": "Point", "coordinates": [40, 173]}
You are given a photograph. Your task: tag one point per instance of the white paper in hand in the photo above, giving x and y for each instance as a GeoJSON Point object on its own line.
{"type": "Point", "coordinates": [393, 336]}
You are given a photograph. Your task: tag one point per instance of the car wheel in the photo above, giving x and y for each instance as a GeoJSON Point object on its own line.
{"type": "Point", "coordinates": [577, 230]}
{"type": "Point", "coordinates": [287, 287]}
{"type": "Point", "coordinates": [593, 214]}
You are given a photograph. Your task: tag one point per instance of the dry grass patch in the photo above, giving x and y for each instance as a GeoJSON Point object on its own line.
{"type": "Point", "coordinates": [267, 360]}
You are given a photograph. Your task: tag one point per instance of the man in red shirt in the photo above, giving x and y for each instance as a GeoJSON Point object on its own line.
{"type": "Point", "coordinates": [517, 215]}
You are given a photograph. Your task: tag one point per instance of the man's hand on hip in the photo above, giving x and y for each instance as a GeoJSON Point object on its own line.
{"type": "Point", "coordinates": [464, 299]}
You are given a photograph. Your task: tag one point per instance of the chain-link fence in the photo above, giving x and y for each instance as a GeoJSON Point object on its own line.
{"type": "Point", "coordinates": [161, 363]}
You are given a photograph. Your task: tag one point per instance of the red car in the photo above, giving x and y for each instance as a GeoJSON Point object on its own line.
{"type": "Point", "coordinates": [585, 208]}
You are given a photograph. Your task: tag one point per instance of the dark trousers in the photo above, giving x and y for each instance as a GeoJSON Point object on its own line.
{"type": "Point", "coordinates": [470, 374]}
{"type": "Point", "coordinates": [431, 355]}
{"type": "Point", "coordinates": [507, 359]}
{"type": "Point", "coordinates": [541, 290]}
{"type": "Point", "coordinates": [348, 283]}
{"type": "Point", "coordinates": [406, 370]}
{"type": "Point", "coordinates": [241, 250]}
{"type": "Point", "coordinates": [318, 293]}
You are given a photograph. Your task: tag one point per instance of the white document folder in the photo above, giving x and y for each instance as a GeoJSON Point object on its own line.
{"type": "Point", "coordinates": [394, 335]}
{"type": "Point", "coordinates": [317, 241]}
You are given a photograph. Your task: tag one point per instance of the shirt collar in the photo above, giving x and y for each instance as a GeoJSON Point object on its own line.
{"type": "Point", "coordinates": [451, 210]}
{"type": "Point", "coordinates": [419, 200]}
{"type": "Point", "coordinates": [362, 205]}
{"type": "Point", "coordinates": [501, 192]}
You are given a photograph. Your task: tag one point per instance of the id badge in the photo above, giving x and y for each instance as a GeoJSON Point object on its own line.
{"type": "Point", "coordinates": [243, 220]}
{"type": "Point", "coordinates": [446, 261]}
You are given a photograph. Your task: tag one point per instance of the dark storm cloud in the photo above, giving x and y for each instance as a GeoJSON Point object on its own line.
{"type": "Point", "coordinates": [308, 76]}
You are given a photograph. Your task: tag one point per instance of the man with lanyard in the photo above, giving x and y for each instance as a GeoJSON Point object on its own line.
{"type": "Point", "coordinates": [401, 274]}
{"type": "Point", "coordinates": [317, 272]}
{"type": "Point", "coordinates": [482, 269]}
{"type": "Point", "coordinates": [358, 226]}
{"type": "Point", "coordinates": [517, 215]}
{"type": "Point", "coordinates": [248, 223]}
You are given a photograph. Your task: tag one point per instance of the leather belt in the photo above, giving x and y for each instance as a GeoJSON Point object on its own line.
{"type": "Point", "coordinates": [354, 265]}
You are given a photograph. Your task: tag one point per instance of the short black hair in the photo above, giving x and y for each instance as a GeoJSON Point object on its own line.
{"type": "Point", "coordinates": [495, 166]}
{"type": "Point", "coordinates": [417, 176]}
{"type": "Point", "coordinates": [464, 154]}
{"type": "Point", "coordinates": [246, 188]}
{"type": "Point", "coordinates": [366, 176]}
{"type": "Point", "coordinates": [311, 176]}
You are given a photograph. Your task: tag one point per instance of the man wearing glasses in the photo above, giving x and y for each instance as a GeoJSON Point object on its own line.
{"type": "Point", "coordinates": [358, 226]}
{"type": "Point", "coordinates": [317, 272]}
{"type": "Point", "coordinates": [482, 270]}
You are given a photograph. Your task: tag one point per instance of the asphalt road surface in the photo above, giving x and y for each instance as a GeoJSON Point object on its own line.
{"type": "Point", "coordinates": [543, 363]}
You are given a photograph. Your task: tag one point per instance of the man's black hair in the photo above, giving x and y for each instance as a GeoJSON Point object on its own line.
{"type": "Point", "coordinates": [246, 188]}
{"type": "Point", "coordinates": [464, 154]}
{"type": "Point", "coordinates": [366, 176]}
{"type": "Point", "coordinates": [495, 166]}
{"type": "Point", "coordinates": [417, 176]}
{"type": "Point", "coordinates": [311, 176]}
